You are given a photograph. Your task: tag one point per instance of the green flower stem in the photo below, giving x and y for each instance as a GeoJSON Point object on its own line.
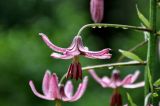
{"type": "Point", "coordinates": [100, 25]}
{"type": "Point", "coordinates": [58, 103]}
{"type": "Point", "coordinates": [132, 49]}
{"type": "Point", "coordinates": [129, 63]}
{"type": "Point", "coordinates": [151, 54]}
{"type": "Point", "coordinates": [62, 79]}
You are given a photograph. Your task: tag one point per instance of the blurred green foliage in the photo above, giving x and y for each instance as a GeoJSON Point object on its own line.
{"type": "Point", "coordinates": [24, 56]}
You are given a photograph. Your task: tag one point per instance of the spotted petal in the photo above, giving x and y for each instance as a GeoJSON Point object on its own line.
{"type": "Point", "coordinates": [53, 91]}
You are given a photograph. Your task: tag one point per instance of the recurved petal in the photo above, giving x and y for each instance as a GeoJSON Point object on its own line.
{"type": "Point", "coordinates": [80, 91]}
{"type": "Point", "coordinates": [45, 82]}
{"type": "Point", "coordinates": [50, 44]}
{"type": "Point", "coordinates": [53, 91]}
{"type": "Point", "coordinates": [86, 51]}
{"type": "Point", "coordinates": [105, 56]}
{"type": "Point", "coordinates": [73, 49]}
{"type": "Point", "coordinates": [136, 85]}
{"type": "Point", "coordinates": [38, 94]}
{"type": "Point", "coordinates": [60, 56]}
{"type": "Point", "coordinates": [73, 44]}
{"type": "Point", "coordinates": [127, 80]}
{"type": "Point", "coordinates": [135, 76]}
{"type": "Point", "coordinates": [68, 89]}
{"type": "Point", "coordinates": [99, 80]}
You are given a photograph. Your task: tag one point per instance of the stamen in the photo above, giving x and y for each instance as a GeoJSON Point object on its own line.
{"type": "Point", "coordinates": [116, 98]}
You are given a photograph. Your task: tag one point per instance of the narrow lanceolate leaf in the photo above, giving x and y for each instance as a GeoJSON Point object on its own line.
{"type": "Point", "coordinates": [130, 55]}
{"type": "Point", "coordinates": [157, 83]}
{"type": "Point", "coordinates": [130, 100]}
{"type": "Point", "coordinates": [143, 18]}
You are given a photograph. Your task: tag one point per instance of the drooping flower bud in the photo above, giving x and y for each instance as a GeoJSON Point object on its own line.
{"type": "Point", "coordinates": [96, 10]}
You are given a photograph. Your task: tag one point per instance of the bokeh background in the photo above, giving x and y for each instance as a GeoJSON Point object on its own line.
{"type": "Point", "coordinates": [24, 56]}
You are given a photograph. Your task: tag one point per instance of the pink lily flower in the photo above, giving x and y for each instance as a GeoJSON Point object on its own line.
{"type": "Point", "coordinates": [97, 10]}
{"type": "Point", "coordinates": [115, 81]}
{"type": "Point", "coordinates": [73, 52]}
{"type": "Point", "coordinates": [54, 91]}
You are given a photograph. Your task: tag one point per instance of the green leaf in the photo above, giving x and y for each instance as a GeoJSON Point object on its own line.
{"type": "Point", "coordinates": [155, 94]}
{"type": "Point", "coordinates": [143, 18]}
{"type": "Point", "coordinates": [157, 83]}
{"type": "Point", "coordinates": [130, 100]}
{"type": "Point", "coordinates": [130, 55]}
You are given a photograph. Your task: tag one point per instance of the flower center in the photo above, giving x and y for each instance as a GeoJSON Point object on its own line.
{"type": "Point", "coordinates": [115, 75]}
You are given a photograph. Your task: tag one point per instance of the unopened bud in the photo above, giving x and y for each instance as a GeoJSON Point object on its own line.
{"type": "Point", "coordinates": [97, 9]}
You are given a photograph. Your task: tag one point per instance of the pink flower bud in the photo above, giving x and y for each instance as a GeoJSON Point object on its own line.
{"type": "Point", "coordinates": [96, 9]}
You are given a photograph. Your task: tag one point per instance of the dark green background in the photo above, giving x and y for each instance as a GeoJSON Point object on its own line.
{"type": "Point", "coordinates": [24, 56]}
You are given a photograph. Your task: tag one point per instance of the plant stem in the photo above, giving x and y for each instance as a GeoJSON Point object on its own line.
{"type": "Point", "coordinates": [129, 63]}
{"type": "Point", "coordinates": [58, 103]}
{"type": "Point", "coordinates": [132, 49]}
{"type": "Point", "coordinates": [151, 54]}
{"type": "Point", "coordinates": [100, 25]}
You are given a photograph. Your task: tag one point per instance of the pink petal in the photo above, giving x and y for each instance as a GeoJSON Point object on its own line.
{"type": "Point", "coordinates": [73, 44]}
{"type": "Point", "coordinates": [59, 56]}
{"type": "Point", "coordinates": [114, 84]}
{"type": "Point", "coordinates": [111, 83]}
{"type": "Point", "coordinates": [127, 79]}
{"type": "Point", "coordinates": [105, 56]}
{"type": "Point", "coordinates": [80, 91]}
{"type": "Point", "coordinates": [53, 91]}
{"type": "Point", "coordinates": [135, 76]}
{"type": "Point", "coordinates": [99, 80]}
{"type": "Point", "coordinates": [132, 86]}
{"type": "Point", "coordinates": [106, 80]}
{"type": "Point", "coordinates": [73, 49]}
{"type": "Point", "coordinates": [68, 89]}
{"type": "Point", "coordinates": [45, 82]}
{"type": "Point", "coordinates": [38, 94]}
{"type": "Point", "coordinates": [50, 44]}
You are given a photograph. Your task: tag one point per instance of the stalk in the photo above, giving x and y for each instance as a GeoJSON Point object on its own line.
{"type": "Point", "coordinates": [58, 103]}
{"type": "Point", "coordinates": [151, 54]}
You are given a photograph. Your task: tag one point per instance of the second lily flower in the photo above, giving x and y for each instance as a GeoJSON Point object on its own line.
{"type": "Point", "coordinates": [73, 52]}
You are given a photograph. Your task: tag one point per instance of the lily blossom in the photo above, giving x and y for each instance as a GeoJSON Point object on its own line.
{"type": "Point", "coordinates": [115, 81]}
{"type": "Point", "coordinates": [54, 91]}
{"type": "Point", "coordinates": [73, 52]}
